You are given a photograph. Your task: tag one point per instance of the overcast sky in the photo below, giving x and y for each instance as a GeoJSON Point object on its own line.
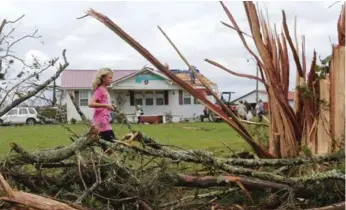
{"type": "Point", "coordinates": [194, 26]}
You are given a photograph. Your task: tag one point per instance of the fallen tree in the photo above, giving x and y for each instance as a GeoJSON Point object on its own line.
{"type": "Point", "coordinates": [77, 173]}
{"type": "Point", "coordinates": [143, 174]}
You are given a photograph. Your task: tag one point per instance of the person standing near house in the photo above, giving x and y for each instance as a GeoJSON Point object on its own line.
{"type": "Point", "coordinates": [139, 112]}
{"type": "Point", "coordinates": [260, 110]}
{"type": "Point", "coordinates": [241, 110]}
{"type": "Point", "coordinates": [100, 101]}
{"type": "Point", "coordinates": [247, 106]}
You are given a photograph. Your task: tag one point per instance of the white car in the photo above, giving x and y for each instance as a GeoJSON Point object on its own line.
{"type": "Point", "coordinates": [20, 115]}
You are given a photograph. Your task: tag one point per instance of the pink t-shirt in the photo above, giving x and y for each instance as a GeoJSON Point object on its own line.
{"type": "Point", "coordinates": [101, 117]}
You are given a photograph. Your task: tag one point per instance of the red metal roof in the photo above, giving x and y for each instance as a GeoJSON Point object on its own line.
{"type": "Point", "coordinates": [83, 78]}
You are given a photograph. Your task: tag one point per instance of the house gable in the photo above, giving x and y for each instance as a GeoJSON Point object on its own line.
{"type": "Point", "coordinates": [146, 79]}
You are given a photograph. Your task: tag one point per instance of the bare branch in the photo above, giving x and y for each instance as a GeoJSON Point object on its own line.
{"type": "Point", "coordinates": [231, 18]}
{"type": "Point", "coordinates": [234, 73]}
{"type": "Point", "coordinates": [229, 26]}
{"type": "Point", "coordinates": [18, 40]}
{"type": "Point", "coordinates": [37, 89]}
{"type": "Point", "coordinates": [290, 42]}
{"type": "Point", "coordinates": [2, 25]}
{"type": "Point", "coordinates": [16, 20]}
{"type": "Point", "coordinates": [86, 15]}
{"type": "Point", "coordinates": [29, 77]}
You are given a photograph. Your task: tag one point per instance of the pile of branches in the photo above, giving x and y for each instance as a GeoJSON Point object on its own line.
{"type": "Point", "coordinates": [142, 174]}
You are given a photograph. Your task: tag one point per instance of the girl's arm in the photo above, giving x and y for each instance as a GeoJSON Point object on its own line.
{"type": "Point", "coordinates": [93, 103]}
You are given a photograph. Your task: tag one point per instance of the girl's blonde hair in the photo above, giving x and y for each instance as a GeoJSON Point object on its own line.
{"type": "Point", "coordinates": [99, 76]}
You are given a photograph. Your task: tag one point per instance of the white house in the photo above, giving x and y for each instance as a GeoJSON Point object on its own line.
{"type": "Point", "coordinates": [156, 93]}
{"type": "Point", "coordinates": [262, 95]}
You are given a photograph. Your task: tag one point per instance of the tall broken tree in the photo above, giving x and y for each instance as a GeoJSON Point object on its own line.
{"type": "Point", "coordinates": [293, 129]}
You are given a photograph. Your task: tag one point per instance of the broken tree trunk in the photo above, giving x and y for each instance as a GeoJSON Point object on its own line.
{"type": "Point", "coordinates": [275, 64]}
{"type": "Point", "coordinates": [23, 200]}
{"type": "Point", "coordinates": [324, 138]}
{"type": "Point", "coordinates": [337, 96]}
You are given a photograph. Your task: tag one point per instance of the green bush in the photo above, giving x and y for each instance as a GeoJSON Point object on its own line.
{"type": "Point", "coordinates": [73, 121]}
{"type": "Point", "coordinates": [48, 112]}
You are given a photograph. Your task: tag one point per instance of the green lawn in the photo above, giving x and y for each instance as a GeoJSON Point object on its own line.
{"type": "Point", "coordinates": [205, 135]}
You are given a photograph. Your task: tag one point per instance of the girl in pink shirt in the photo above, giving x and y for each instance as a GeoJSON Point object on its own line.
{"type": "Point", "coordinates": [100, 101]}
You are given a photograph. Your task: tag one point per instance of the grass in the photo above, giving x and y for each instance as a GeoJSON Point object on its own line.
{"type": "Point", "coordinates": [207, 136]}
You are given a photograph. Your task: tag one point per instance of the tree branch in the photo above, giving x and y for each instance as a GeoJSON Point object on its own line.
{"type": "Point", "coordinates": [290, 42]}
{"type": "Point", "coordinates": [234, 73]}
{"type": "Point", "coordinates": [201, 157]}
{"type": "Point", "coordinates": [50, 155]}
{"type": "Point", "coordinates": [335, 206]}
{"type": "Point", "coordinates": [38, 89]}
{"type": "Point", "coordinates": [231, 18]}
{"type": "Point", "coordinates": [199, 196]}
{"type": "Point", "coordinates": [229, 26]}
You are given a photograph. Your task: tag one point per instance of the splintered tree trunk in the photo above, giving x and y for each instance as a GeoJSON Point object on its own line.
{"type": "Point", "coordinates": [337, 97]}
{"type": "Point", "coordinates": [324, 140]}
{"type": "Point", "coordinates": [282, 140]}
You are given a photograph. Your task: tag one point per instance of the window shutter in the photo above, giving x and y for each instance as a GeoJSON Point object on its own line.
{"type": "Point", "coordinates": [180, 97]}
{"type": "Point", "coordinates": [132, 98]}
{"type": "Point", "coordinates": [76, 97]}
{"type": "Point", "coordinates": [166, 97]}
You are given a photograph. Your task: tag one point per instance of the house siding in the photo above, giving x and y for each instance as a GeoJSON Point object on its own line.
{"type": "Point", "coordinates": [179, 111]}
{"type": "Point", "coordinates": [251, 98]}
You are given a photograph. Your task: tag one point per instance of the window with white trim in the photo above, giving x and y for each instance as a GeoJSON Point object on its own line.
{"type": "Point", "coordinates": [159, 97]}
{"type": "Point", "coordinates": [149, 98]}
{"type": "Point", "coordinates": [83, 98]}
{"type": "Point", "coordinates": [138, 98]}
{"type": "Point", "coordinates": [186, 97]}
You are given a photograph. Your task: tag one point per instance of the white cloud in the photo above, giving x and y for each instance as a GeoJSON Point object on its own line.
{"type": "Point", "coordinates": [71, 41]}
{"type": "Point", "coordinates": [102, 57]}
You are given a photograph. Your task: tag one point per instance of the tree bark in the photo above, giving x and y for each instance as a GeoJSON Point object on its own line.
{"type": "Point", "coordinates": [50, 155]}
{"type": "Point", "coordinates": [28, 200]}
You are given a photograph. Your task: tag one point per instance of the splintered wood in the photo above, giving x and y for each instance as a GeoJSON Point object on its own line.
{"type": "Point", "coordinates": [337, 96]}
{"type": "Point", "coordinates": [324, 138]}
{"type": "Point", "coordinates": [311, 125]}
{"type": "Point", "coordinates": [22, 200]}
